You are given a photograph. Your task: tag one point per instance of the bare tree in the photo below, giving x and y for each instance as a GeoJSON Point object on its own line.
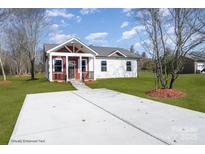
{"type": "Point", "coordinates": [32, 23]}
{"type": "Point", "coordinates": [3, 16]}
{"type": "Point", "coordinates": [189, 34]}
{"type": "Point", "coordinates": [2, 65]}
{"type": "Point", "coordinates": [152, 21]}
{"type": "Point", "coordinates": [16, 43]}
{"type": "Point", "coordinates": [171, 37]}
{"type": "Point", "coordinates": [132, 49]}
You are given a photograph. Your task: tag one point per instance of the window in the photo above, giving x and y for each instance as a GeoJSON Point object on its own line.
{"type": "Point", "coordinates": [103, 66]}
{"type": "Point", "coordinates": [58, 65]}
{"type": "Point", "coordinates": [129, 66]}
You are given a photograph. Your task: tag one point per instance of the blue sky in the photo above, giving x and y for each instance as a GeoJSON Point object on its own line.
{"type": "Point", "coordinates": [103, 27]}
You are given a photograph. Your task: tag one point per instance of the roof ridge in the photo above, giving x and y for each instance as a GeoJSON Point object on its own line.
{"type": "Point", "coordinates": [108, 47]}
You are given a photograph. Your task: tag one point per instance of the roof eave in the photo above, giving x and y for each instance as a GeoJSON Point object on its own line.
{"type": "Point", "coordinates": [64, 43]}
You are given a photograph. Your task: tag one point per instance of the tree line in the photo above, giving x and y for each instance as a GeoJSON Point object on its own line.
{"type": "Point", "coordinates": [21, 32]}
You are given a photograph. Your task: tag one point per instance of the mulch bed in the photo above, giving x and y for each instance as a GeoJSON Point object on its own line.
{"type": "Point", "coordinates": [6, 82]}
{"type": "Point", "coordinates": [90, 81]}
{"type": "Point", "coordinates": [166, 93]}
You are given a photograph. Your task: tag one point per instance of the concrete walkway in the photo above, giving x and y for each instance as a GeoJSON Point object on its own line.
{"type": "Point", "coordinates": [101, 116]}
{"type": "Point", "coordinates": [79, 85]}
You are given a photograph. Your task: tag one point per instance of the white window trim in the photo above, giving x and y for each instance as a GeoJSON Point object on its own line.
{"type": "Point", "coordinates": [54, 59]}
{"type": "Point", "coordinates": [116, 51]}
{"type": "Point", "coordinates": [130, 65]}
{"type": "Point", "coordinates": [101, 65]}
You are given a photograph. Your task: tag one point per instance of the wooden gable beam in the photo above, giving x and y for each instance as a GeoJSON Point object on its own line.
{"type": "Point", "coordinates": [79, 49]}
{"type": "Point", "coordinates": [68, 49]}
{"type": "Point", "coordinates": [73, 48]}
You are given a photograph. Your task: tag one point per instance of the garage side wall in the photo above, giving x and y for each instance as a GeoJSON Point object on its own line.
{"type": "Point", "coordinates": [116, 68]}
{"type": "Point", "coordinates": [188, 66]}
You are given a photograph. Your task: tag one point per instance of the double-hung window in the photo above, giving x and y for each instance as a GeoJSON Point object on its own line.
{"type": "Point", "coordinates": [129, 66]}
{"type": "Point", "coordinates": [103, 66]}
{"type": "Point", "coordinates": [58, 65]}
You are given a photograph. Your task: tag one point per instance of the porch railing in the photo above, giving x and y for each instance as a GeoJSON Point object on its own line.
{"type": "Point", "coordinates": [88, 75]}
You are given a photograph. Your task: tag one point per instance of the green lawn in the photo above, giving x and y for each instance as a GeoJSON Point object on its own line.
{"type": "Point", "coordinates": [13, 94]}
{"type": "Point", "coordinates": [12, 97]}
{"type": "Point", "coordinates": [192, 84]}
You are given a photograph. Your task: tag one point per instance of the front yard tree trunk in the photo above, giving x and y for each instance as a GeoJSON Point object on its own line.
{"type": "Point", "coordinates": [33, 69]}
{"type": "Point", "coordinates": [172, 81]}
{"type": "Point", "coordinates": [2, 69]}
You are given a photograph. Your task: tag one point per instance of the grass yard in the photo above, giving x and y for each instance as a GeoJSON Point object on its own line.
{"type": "Point", "coordinates": [12, 97]}
{"type": "Point", "coordinates": [192, 84]}
{"type": "Point", "coordinates": [12, 94]}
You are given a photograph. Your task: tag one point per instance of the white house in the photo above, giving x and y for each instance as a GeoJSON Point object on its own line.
{"type": "Point", "coordinates": [75, 60]}
{"type": "Point", "coordinates": [194, 62]}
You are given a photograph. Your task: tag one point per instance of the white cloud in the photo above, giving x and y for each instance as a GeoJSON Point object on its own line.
{"type": "Point", "coordinates": [127, 11]}
{"type": "Point", "coordinates": [78, 18]}
{"type": "Point", "coordinates": [62, 21]}
{"type": "Point", "coordinates": [124, 24]}
{"type": "Point", "coordinates": [165, 12]}
{"type": "Point", "coordinates": [128, 34]}
{"type": "Point", "coordinates": [60, 12]}
{"type": "Point", "coordinates": [54, 26]}
{"type": "Point", "coordinates": [131, 33]}
{"type": "Point", "coordinates": [63, 13]}
{"type": "Point", "coordinates": [137, 45]}
{"type": "Point", "coordinates": [57, 35]}
{"type": "Point", "coordinates": [86, 11]}
{"type": "Point", "coordinates": [94, 36]}
{"type": "Point", "coordinates": [97, 38]}
{"type": "Point", "coordinates": [60, 37]}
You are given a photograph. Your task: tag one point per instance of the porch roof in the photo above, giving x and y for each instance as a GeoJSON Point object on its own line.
{"type": "Point", "coordinates": [72, 41]}
{"type": "Point", "coordinates": [100, 51]}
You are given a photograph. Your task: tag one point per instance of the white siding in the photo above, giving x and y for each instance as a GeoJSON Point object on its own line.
{"type": "Point", "coordinates": [116, 68]}
{"type": "Point", "coordinates": [46, 69]}
{"type": "Point", "coordinates": [200, 66]}
{"type": "Point", "coordinates": [90, 64]}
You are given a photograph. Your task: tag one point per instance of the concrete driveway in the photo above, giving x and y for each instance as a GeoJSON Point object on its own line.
{"type": "Point", "coordinates": [102, 116]}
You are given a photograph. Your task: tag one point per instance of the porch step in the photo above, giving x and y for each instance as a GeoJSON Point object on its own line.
{"type": "Point", "coordinates": [79, 85]}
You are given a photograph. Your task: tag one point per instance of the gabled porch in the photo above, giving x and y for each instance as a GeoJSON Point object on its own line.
{"type": "Point", "coordinates": [71, 60]}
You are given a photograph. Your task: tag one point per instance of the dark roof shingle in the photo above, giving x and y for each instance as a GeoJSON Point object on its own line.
{"type": "Point", "coordinates": [102, 51]}
{"type": "Point", "coordinates": [105, 51]}
{"type": "Point", "coordinates": [49, 46]}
